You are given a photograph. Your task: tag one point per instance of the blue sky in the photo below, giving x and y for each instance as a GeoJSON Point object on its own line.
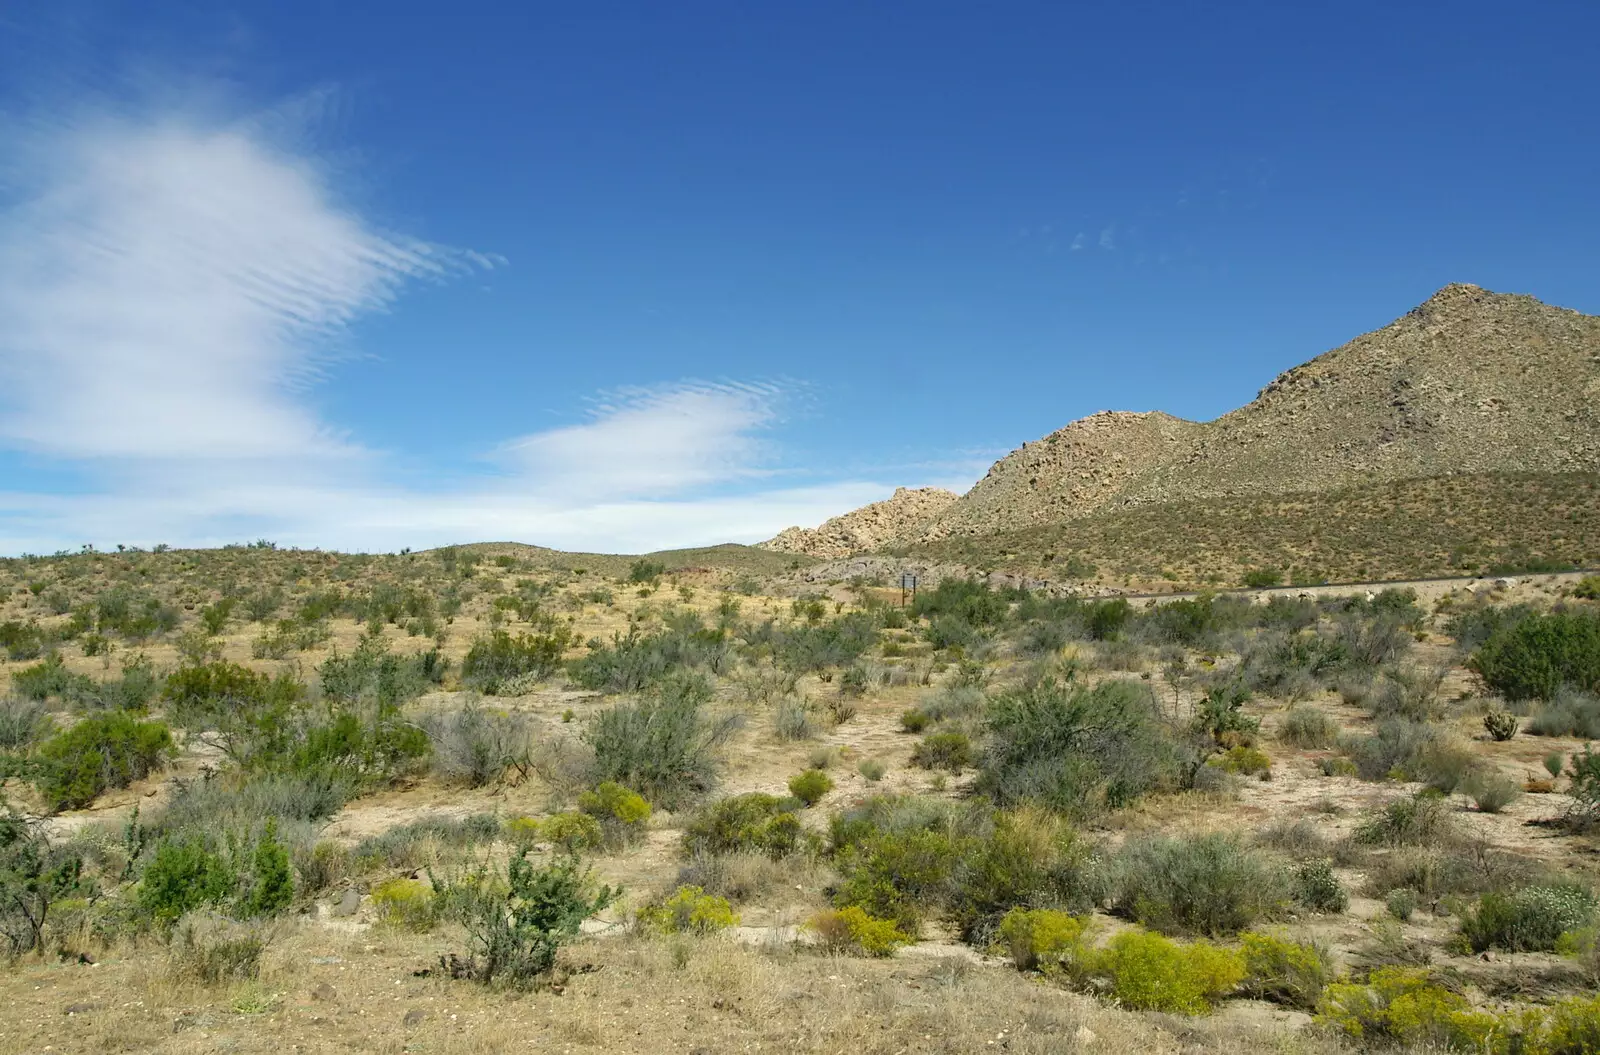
{"type": "Point", "coordinates": [620, 276]}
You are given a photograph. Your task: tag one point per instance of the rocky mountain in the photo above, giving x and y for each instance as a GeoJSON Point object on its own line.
{"type": "Point", "coordinates": [906, 513]}
{"type": "Point", "coordinates": [1470, 382]}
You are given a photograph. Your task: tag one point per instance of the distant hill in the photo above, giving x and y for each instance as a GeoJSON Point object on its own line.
{"type": "Point", "coordinates": [906, 513]}
{"type": "Point", "coordinates": [1473, 386]}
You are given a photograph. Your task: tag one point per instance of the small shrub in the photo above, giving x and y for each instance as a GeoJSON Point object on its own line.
{"type": "Point", "coordinates": [852, 931]}
{"type": "Point", "coordinates": [1500, 725]}
{"type": "Point", "coordinates": [1414, 820]}
{"type": "Point", "coordinates": [1150, 973]}
{"type": "Point", "coordinates": [22, 723]}
{"type": "Point", "coordinates": [213, 951]}
{"type": "Point", "coordinates": [914, 721]}
{"type": "Point", "coordinates": [810, 786]}
{"type": "Point", "coordinates": [1045, 939]}
{"type": "Point", "coordinates": [1492, 792]}
{"type": "Point", "coordinates": [1285, 972]}
{"type": "Point", "coordinates": [664, 746]}
{"type": "Point", "coordinates": [573, 832]}
{"type": "Point", "coordinates": [1403, 1006]}
{"type": "Point", "coordinates": [516, 922]}
{"type": "Point", "coordinates": [406, 904]}
{"type": "Point", "coordinates": [793, 719]}
{"type": "Point", "coordinates": [1317, 888]}
{"type": "Point", "coordinates": [872, 770]}
{"type": "Point", "coordinates": [689, 910]}
{"type": "Point", "coordinates": [475, 745]}
{"type": "Point", "coordinates": [1246, 761]}
{"type": "Point", "coordinates": [950, 751]}
{"type": "Point", "coordinates": [495, 660]}
{"type": "Point", "coordinates": [1211, 884]}
{"type": "Point", "coordinates": [1401, 903]}
{"type": "Point", "coordinates": [184, 875]}
{"type": "Point", "coordinates": [1554, 762]}
{"type": "Point", "coordinates": [1583, 772]}
{"type": "Point", "coordinates": [523, 831]}
{"type": "Point", "coordinates": [1309, 727]}
{"type": "Point", "coordinates": [105, 751]}
{"type": "Point", "coordinates": [1529, 920]}
{"type": "Point", "coordinates": [1569, 713]}
{"type": "Point", "coordinates": [622, 814]}
{"type": "Point", "coordinates": [754, 822]}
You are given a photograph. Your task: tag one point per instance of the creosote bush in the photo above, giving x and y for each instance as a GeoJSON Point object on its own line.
{"type": "Point", "coordinates": [663, 746]}
{"type": "Point", "coordinates": [101, 752]}
{"type": "Point", "coordinates": [1305, 726]}
{"type": "Point", "coordinates": [754, 822]}
{"type": "Point", "coordinates": [810, 786]}
{"type": "Point", "coordinates": [1213, 884]}
{"type": "Point", "coordinates": [949, 750]}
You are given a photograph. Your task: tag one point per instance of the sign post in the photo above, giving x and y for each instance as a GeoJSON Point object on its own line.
{"type": "Point", "coordinates": [908, 581]}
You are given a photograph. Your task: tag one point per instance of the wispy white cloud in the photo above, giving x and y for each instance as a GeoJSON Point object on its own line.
{"type": "Point", "coordinates": [1108, 237]}
{"type": "Point", "coordinates": [171, 285]}
{"type": "Point", "coordinates": [647, 442]}
{"type": "Point", "coordinates": [1078, 242]}
{"type": "Point", "coordinates": [166, 280]}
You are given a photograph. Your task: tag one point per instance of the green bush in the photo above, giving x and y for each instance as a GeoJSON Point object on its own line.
{"type": "Point", "coordinates": [755, 822]}
{"type": "Point", "coordinates": [22, 723]}
{"type": "Point", "coordinates": [269, 887]}
{"type": "Point", "coordinates": [872, 769]}
{"type": "Point", "coordinates": [852, 931]}
{"type": "Point", "coordinates": [184, 875]}
{"type": "Point", "coordinates": [1308, 727]}
{"type": "Point", "coordinates": [495, 659]}
{"type": "Point", "coordinates": [1401, 903]}
{"type": "Point", "coordinates": [1404, 1007]}
{"type": "Point", "coordinates": [1046, 940]}
{"type": "Point", "coordinates": [573, 832]}
{"type": "Point", "coordinates": [406, 904]}
{"type": "Point", "coordinates": [1285, 972]}
{"type": "Point", "coordinates": [1150, 973]}
{"type": "Point", "coordinates": [34, 879]}
{"type": "Point", "coordinates": [1074, 748]}
{"type": "Point", "coordinates": [951, 751]}
{"type": "Point", "coordinates": [1568, 713]}
{"type": "Point", "coordinates": [914, 721]}
{"type": "Point", "coordinates": [1212, 884]}
{"type": "Point", "coordinates": [810, 786]}
{"type": "Point", "coordinates": [49, 677]}
{"type": "Point", "coordinates": [1219, 715]}
{"type": "Point", "coordinates": [1413, 820]}
{"type": "Point", "coordinates": [1316, 888]}
{"type": "Point", "coordinates": [105, 751]}
{"type": "Point", "coordinates": [689, 910]}
{"type": "Point", "coordinates": [1263, 578]}
{"type": "Point", "coordinates": [1534, 657]}
{"type": "Point", "coordinates": [1247, 761]}
{"type": "Point", "coordinates": [1492, 792]}
{"type": "Point", "coordinates": [1530, 920]}
{"type": "Point", "coordinates": [900, 875]}
{"type": "Point", "coordinates": [517, 921]}
{"type": "Point", "coordinates": [475, 745]}
{"type": "Point", "coordinates": [664, 745]}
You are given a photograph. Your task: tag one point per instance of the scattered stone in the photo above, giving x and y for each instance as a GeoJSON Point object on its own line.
{"type": "Point", "coordinates": [324, 991]}
{"type": "Point", "coordinates": [348, 904]}
{"type": "Point", "coordinates": [414, 1017]}
{"type": "Point", "coordinates": [78, 1009]}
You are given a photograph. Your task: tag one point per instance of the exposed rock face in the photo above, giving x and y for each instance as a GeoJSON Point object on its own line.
{"type": "Point", "coordinates": [866, 529]}
{"type": "Point", "coordinates": [1468, 382]}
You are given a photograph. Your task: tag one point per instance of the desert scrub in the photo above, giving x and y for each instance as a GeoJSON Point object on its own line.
{"type": "Point", "coordinates": [1414, 820]}
{"type": "Point", "coordinates": [872, 770]}
{"type": "Point", "coordinates": [1532, 919]}
{"type": "Point", "coordinates": [1285, 972]}
{"type": "Point", "coordinates": [1491, 792]}
{"type": "Point", "coordinates": [1245, 761]}
{"type": "Point", "coordinates": [688, 910]}
{"type": "Point", "coordinates": [475, 745]}
{"type": "Point", "coordinates": [1534, 656]}
{"type": "Point", "coordinates": [1075, 749]}
{"type": "Point", "coordinates": [623, 814]}
{"type": "Point", "coordinates": [1045, 940]}
{"type": "Point", "coordinates": [1309, 727]}
{"type": "Point", "coordinates": [950, 751]}
{"type": "Point", "coordinates": [1405, 1007]}
{"type": "Point", "coordinates": [1213, 884]}
{"type": "Point", "coordinates": [210, 950]}
{"type": "Point", "coordinates": [406, 904]}
{"type": "Point", "coordinates": [495, 660]}
{"type": "Point", "coordinates": [852, 931]}
{"type": "Point", "coordinates": [810, 786]}
{"type": "Point", "coordinates": [754, 822]}
{"type": "Point", "coordinates": [914, 720]}
{"type": "Point", "coordinates": [665, 745]}
{"type": "Point", "coordinates": [1569, 713]}
{"type": "Point", "coordinates": [1150, 973]}
{"type": "Point", "coordinates": [1401, 902]}
{"type": "Point", "coordinates": [572, 831]}
{"type": "Point", "coordinates": [516, 921]}
{"type": "Point", "coordinates": [1500, 725]}
{"type": "Point", "coordinates": [105, 751]}
{"type": "Point", "coordinates": [1317, 889]}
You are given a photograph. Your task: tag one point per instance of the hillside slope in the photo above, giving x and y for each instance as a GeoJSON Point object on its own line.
{"type": "Point", "coordinates": [1469, 384]}
{"type": "Point", "coordinates": [871, 527]}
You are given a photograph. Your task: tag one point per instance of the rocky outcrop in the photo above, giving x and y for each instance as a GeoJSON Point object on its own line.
{"type": "Point", "coordinates": [866, 529]}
